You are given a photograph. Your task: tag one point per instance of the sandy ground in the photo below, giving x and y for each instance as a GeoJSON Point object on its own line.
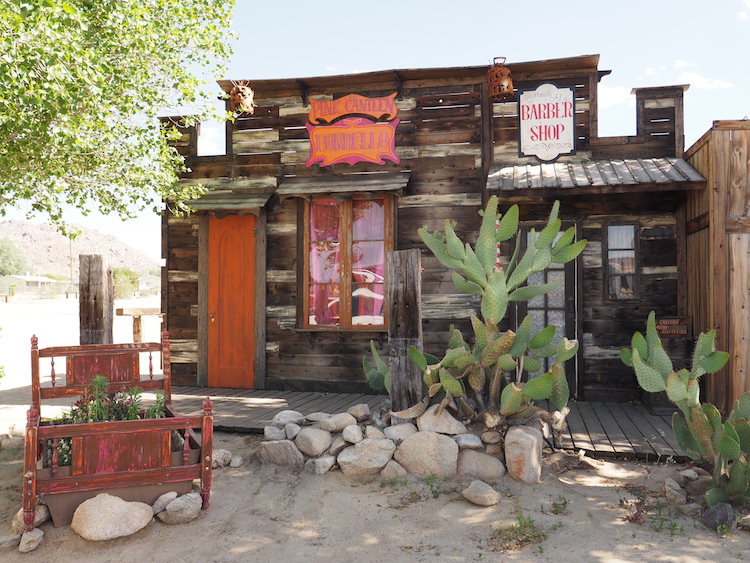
{"type": "Point", "coordinates": [269, 514]}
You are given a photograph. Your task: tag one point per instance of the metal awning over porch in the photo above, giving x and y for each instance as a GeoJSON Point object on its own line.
{"type": "Point", "coordinates": [596, 176]}
{"type": "Point", "coordinates": [342, 186]}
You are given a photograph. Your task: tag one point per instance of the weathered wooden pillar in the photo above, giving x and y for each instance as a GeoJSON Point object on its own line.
{"type": "Point", "coordinates": [403, 295]}
{"type": "Point", "coordinates": [96, 299]}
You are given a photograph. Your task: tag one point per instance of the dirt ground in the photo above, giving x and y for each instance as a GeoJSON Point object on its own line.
{"type": "Point", "coordinates": [271, 514]}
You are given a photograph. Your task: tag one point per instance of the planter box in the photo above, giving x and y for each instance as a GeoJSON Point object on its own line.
{"type": "Point", "coordinates": [131, 459]}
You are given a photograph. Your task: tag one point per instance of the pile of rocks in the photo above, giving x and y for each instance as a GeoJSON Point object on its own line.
{"type": "Point", "coordinates": [437, 445]}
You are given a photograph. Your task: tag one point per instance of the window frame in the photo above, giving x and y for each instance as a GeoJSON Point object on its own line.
{"type": "Point", "coordinates": [606, 277]}
{"type": "Point", "coordinates": [345, 277]}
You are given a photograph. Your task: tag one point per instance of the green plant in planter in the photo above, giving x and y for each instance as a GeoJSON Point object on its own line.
{"type": "Point", "coordinates": [482, 368]}
{"type": "Point", "coordinates": [725, 445]}
{"type": "Point", "coordinates": [99, 406]}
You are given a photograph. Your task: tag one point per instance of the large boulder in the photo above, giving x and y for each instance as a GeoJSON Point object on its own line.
{"type": "Point", "coordinates": [313, 441]}
{"type": "Point", "coordinates": [428, 453]}
{"type": "Point", "coordinates": [523, 453]}
{"type": "Point", "coordinates": [443, 423]}
{"type": "Point", "coordinates": [281, 452]}
{"type": "Point", "coordinates": [106, 517]}
{"type": "Point", "coordinates": [283, 418]}
{"type": "Point", "coordinates": [368, 457]}
{"type": "Point", "coordinates": [361, 412]}
{"type": "Point", "coordinates": [319, 465]}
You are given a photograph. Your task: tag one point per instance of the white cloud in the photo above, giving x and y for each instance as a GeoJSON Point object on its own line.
{"type": "Point", "coordinates": [612, 96]}
{"type": "Point", "coordinates": [747, 3]}
{"type": "Point", "coordinates": [698, 81]}
{"type": "Point", "coordinates": [650, 72]}
{"type": "Point", "coordinates": [680, 64]}
{"type": "Point", "coordinates": [743, 15]}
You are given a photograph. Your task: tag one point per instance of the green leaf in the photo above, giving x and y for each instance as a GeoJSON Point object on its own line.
{"type": "Point", "coordinates": [543, 337]}
{"type": "Point", "coordinates": [465, 286]}
{"type": "Point", "coordinates": [742, 427]}
{"type": "Point", "coordinates": [450, 383]}
{"type": "Point", "coordinates": [566, 349]}
{"type": "Point", "coordinates": [685, 438]}
{"type": "Point", "coordinates": [454, 245]}
{"type": "Point", "coordinates": [565, 239]}
{"type": "Point", "coordinates": [626, 355]}
{"type": "Point", "coordinates": [474, 269]}
{"type": "Point", "coordinates": [737, 479]}
{"type": "Point", "coordinates": [374, 377]}
{"type": "Point", "coordinates": [532, 364]}
{"type": "Point", "coordinates": [379, 364]}
{"type": "Point", "coordinates": [729, 448]}
{"type": "Point", "coordinates": [527, 292]}
{"type": "Point", "coordinates": [638, 342]}
{"type": "Point", "coordinates": [508, 225]}
{"type": "Point", "coordinates": [523, 336]}
{"type": "Point", "coordinates": [417, 358]}
{"type": "Point", "coordinates": [568, 253]}
{"type": "Point", "coordinates": [486, 246]}
{"type": "Point", "coordinates": [538, 388]}
{"type": "Point", "coordinates": [649, 379]}
{"type": "Point", "coordinates": [548, 234]}
{"type": "Point", "coordinates": [560, 390]}
{"type": "Point", "coordinates": [715, 495]}
{"type": "Point", "coordinates": [714, 361]}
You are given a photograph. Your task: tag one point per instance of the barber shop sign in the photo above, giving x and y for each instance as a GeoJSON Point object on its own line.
{"type": "Point", "coordinates": [546, 122]}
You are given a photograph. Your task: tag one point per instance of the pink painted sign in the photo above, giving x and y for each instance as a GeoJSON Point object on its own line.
{"type": "Point", "coordinates": [353, 129]}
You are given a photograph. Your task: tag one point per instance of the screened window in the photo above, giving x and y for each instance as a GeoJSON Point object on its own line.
{"type": "Point", "coordinates": [345, 246]}
{"type": "Point", "coordinates": [620, 262]}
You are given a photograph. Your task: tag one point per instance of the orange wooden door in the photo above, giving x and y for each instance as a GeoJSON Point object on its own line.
{"type": "Point", "coordinates": [231, 301]}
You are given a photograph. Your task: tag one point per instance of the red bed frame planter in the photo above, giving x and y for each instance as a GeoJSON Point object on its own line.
{"type": "Point", "coordinates": [131, 459]}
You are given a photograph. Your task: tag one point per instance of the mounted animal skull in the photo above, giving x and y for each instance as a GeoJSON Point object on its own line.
{"type": "Point", "coordinates": [241, 98]}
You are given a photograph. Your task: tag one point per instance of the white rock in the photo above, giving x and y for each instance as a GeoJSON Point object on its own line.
{"type": "Point", "coordinates": [352, 434]}
{"type": "Point", "coordinates": [182, 509]}
{"type": "Point", "coordinates": [491, 437]}
{"type": "Point", "coordinates": [313, 441]}
{"type": "Point", "coordinates": [442, 423]}
{"type": "Point", "coordinates": [393, 470]}
{"type": "Point", "coordinates": [481, 494]}
{"type": "Point", "coordinates": [400, 432]}
{"type": "Point", "coordinates": [317, 416]}
{"type": "Point", "coordinates": [361, 411]}
{"type": "Point", "coordinates": [523, 453]}
{"type": "Point", "coordinates": [283, 418]}
{"type": "Point", "coordinates": [162, 502]}
{"type": "Point", "coordinates": [374, 433]}
{"type": "Point", "coordinates": [31, 540]}
{"type": "Point", "coordinates": [221, 458]}
{"type": "Point", "coordinates": [291, 430]}
{"type": "Point", "coordinates": [10, 542]}
{"type": "Point", "coordinates": [338, 445]}
{"type": "Point", "coordinates": [320, 465]}
{"type": "Point", "coordinates": [106, 517]}
{"type": "Point", "coordinates": [237, 461]}
{"type": "Point", "coordinates": [673, 492]}
{"type": "Point", "coordinates": [480, 465]}
{"type": "Point", "coordinates": [428, 453]}
{"type": "Point", "coordinates": [337, 422]}
{"type": "Point", "coordinates": [468, 442]}
{"type": "Point", "coordinates": [281, 452]}
{"type": "Point", "coordinates": [368, 457]}
{"type": "Point", "coordinates": [690, 474]}
{"type": "Point", "coordinates": [274, 433]}
{"type": "Point", "coordinates": [40, 517]}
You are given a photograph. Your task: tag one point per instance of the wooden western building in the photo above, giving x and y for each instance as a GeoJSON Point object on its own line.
{"type": "Point", "coordinates": [276, 281]}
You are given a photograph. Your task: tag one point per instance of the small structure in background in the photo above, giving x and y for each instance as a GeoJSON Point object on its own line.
{"type": "Point", "coordinates": [149, 285]}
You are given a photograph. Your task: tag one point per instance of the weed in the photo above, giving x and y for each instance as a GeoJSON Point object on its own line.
{"type": "Point", "coordinates": [723, 530]}
{"type": "Point", "coordinates": [636, 511]}
{"type": "Point", "coordinates": [523, 533]}
{"type": "Point", "coordinates": [393, 483]}
{"type": "Point", "coordinates": [434, 483]}
{"type": "Point", "coordinates": [560, 506]}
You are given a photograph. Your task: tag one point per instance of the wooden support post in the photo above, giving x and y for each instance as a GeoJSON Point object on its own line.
{"type": "Point", "coordinates": [403, 295]}
{"type": "Point", "coordinates": [96, 302]}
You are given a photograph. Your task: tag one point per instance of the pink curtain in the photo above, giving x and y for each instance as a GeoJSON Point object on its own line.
{"type": "Point", "coordinates": [325, 262]}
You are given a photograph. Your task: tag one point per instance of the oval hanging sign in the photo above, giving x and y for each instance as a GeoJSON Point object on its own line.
{"type": "Point", "coordinates": [546, 122]}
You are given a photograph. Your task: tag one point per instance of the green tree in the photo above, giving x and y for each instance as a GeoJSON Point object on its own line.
{"type": "Point", "coordinates": [82, 83]}
{"type": "Point", "coordinates": [11, 259]}
{"type": "Point", "coordinates": [125, 282]}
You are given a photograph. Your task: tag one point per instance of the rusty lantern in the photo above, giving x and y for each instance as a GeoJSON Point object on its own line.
{"type": "Point", "coordinates": [241, 98]}
{"type": "Point", "coordinates": [499, 80]}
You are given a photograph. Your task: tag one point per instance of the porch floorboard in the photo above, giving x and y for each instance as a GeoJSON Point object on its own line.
{"type": "Point", "coordinates": [602, 429]}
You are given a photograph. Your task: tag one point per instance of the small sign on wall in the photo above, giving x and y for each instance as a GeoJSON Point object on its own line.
{"type": "Point", "coordinates": [546, 122]}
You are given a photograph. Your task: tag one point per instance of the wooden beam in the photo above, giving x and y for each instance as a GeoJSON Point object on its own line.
{"type": "Point", "coordinates": [96, 300]}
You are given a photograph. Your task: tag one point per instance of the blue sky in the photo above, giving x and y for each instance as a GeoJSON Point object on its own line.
{"type": "Point", "coordinates": [644, 43]}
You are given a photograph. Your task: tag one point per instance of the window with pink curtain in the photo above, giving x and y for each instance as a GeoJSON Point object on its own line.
{"type": "Point", "coordinates": [346, 257]}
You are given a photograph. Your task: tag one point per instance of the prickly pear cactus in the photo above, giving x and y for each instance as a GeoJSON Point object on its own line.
{"type": "Point", "coordinates": [699, 430]}
{"type": "Point", "coordinates": [483, 369]}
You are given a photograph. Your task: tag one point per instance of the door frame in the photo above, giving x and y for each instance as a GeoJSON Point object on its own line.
{"type": "Point", "coordinates": [260, 296]}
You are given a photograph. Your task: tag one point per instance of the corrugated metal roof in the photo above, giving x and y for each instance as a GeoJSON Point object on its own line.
{"type": "Point", "coordinates": [597, 176]}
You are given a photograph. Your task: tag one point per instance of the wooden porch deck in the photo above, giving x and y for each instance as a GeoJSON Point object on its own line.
{"type": "Point", "coordinates": [601, 429]}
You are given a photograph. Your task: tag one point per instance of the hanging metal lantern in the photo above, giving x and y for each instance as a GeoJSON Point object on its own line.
{"type": "Point", "coordinates": [499, 80]}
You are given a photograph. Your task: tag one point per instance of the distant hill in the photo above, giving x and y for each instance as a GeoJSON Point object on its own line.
{"type": "Point", "coordinates": [49, 252]}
